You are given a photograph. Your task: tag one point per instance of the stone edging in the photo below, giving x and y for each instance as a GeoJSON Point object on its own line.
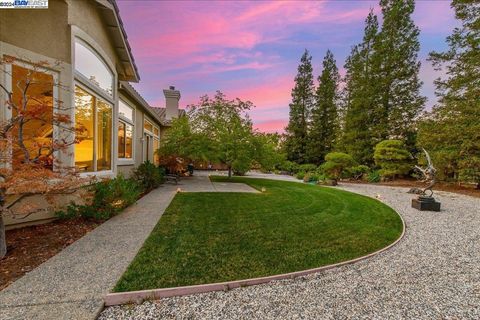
{"type": "Point", "coordinates": [119, 298]}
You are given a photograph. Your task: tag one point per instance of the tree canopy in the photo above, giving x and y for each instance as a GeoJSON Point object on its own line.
{"type": "Point", "coordinates": [451, 132]}
{"type": "Point", "coordinates": [303, 99]}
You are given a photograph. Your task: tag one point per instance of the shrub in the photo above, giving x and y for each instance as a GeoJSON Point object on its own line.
{"type": "Point", "coordinates": [357, 172]}
{"type": "Point", "coordinates": [393, 158]}
{"type": "Point", "coordinates": [336, 164]}
{"type": "Point", "coordinates": [241, 166]}
{"type": "Point", "coordinates": [288, 167]}
{"type": "Point", "coordinates": [108, 198]}
{"type": "Point", "coordinates": [312, 177]}
{"type": "Point", "coordinates": [162, 171]}
{"type": "Point", "coordinates": [300, 175]}
{"type": "Point", "coordinates": [373, 176]}
{"type": "Point", "coordinates": [148, 176]}
{"type": "Point", "coordinates": [308, 167]}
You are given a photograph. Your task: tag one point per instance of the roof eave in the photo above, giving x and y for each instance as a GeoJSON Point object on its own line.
{"type": "Point", "coordinates": [128, 89]}
{"type": "Point", "coordinates": [111, 15]}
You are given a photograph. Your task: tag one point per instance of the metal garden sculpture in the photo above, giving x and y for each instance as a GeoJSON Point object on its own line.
{"type": "Point", "coordinates": [425, 201]}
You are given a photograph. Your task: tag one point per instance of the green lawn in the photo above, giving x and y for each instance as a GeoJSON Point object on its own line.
{"type": "Point", "coordinates": [214, 237]}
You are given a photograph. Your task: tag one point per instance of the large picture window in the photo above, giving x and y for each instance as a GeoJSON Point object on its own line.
{"type": "Point", "coordinates": [94, 101]}
{"type": "Point", "coordinates": [32, 96]}
{"type": "Point", "coordinates": [93, 124]}
{"type": "Point", "coordinates": [125, 131]}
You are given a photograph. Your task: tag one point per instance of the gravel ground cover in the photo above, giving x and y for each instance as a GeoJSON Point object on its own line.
{"type": "Point", "coordinates": [433, 273]}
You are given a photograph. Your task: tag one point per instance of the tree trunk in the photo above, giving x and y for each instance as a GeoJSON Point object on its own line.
{"type": "Point", "coordinates": [229, 172]}
{"type": "Point", "coordinates": [3, 241]}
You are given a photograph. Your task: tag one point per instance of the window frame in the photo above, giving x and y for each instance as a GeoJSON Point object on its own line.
{"type": "Point", "coordinates": [152, 135]}
{"type": "Point", "coordinates": [97, 92]}
{"type": "Point", "coordinates": [82, 78]}
{"type": "Point", "coordinates": [95, 138]}
{"type": "Point", "coordinates": [7, 112]}
{"type": "Point", "coordinates": [127, 161]}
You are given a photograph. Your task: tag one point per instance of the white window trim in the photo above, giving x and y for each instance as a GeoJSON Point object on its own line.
{"type": "Point", "coordinates": [149, 133]}
{"type": "Point", "coordinates": [80, 80]}
{"type": "Point", "coordinates": [127, 161]}
{"type": "Point", "coordinates": [76, 79]}
{"type": "Point", "coordinates": [8, 112]}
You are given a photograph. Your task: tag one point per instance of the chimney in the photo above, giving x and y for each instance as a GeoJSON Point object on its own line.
{"type": "Point", "coordinates": [172, 97]}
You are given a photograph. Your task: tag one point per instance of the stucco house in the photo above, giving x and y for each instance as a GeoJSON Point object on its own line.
{"type": "Point", "coordinates": [86, 75]}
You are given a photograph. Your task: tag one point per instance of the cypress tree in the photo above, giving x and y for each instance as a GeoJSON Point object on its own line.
{"type": "Point", "coordinates": [324, 125]}
{"type": "Point", "coordinates": [451, 132]}
{"type": "Point", "coordinates": [360, 97]}
{"type": "Point", "coordinates": [396, 62]}
{"type": "Point", "coordinates": [302, 102]}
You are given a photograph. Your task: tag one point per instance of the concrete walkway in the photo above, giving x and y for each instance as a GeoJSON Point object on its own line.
{"type": "Point", "coordinates": [72, 284]}
{"type": "Point", "coordinates": [200, 182]}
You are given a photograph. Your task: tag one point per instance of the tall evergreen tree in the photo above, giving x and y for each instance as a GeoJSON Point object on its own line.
{"type": "Point", "coordinates": [302, 103]}
{"type": "Point", "coordinates": [324, 123]}
{"type": "Point", "coordinates": [451, 132]}
{"type": "Point", "coordinates": [396, 62]}
{"type": "Point", "coordinates": [360, 97]}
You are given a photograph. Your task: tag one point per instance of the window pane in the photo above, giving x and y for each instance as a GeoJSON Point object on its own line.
{"type": "Point", "coordinates": [38, 115]}
{"type": "Point", "coordinates": [104, 136]}
{"type": "Point", "coordinates": [156, 132]}
{"type": "Point", "coordinates": [128, 141]}
{"type": "Point", "coordinates": [148, 126]}
{"type": "Point", "coordinates": [156, 146]}
{"type": "Point", "coordinates": [121, 139]}
{"type": "Point", "coordinates": [88, 64]}
{"type": "Point", "coordinates": [125, 111]}
{"type": "Point", "coordinates": [84, 126]}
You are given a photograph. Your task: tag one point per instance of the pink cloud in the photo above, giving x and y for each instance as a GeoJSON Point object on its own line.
{"type": "Point", "coordinates": [250, 49]}
{"type": "Point", "coordinates": [271, 126]}
{"type": "Point", "coordinates": [271, 92]}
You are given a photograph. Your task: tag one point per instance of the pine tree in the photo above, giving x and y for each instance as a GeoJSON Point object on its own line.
{"type": "Point", "coordinates": [302, 102]}
{"type": "Point", "coordinates": [396, 62]}
{"type": "Point", "coordinates": [360, 97]}
{"type": "Point", "coordinates": [324, 124]}
{"type": "Point", "coordinates": [451, 132]}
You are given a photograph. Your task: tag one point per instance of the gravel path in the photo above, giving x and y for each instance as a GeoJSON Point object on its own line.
{"type": "Point", "coordinates": [433, 273]}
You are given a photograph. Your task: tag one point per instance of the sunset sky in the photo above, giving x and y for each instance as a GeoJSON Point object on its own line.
{"type": "Point", "coordinates": [251, 50]}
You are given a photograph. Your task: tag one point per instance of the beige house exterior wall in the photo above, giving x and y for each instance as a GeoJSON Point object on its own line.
{"type": "Point", "coordinates": [85, 15]}
{"type": "Point", "coordinates": [48, 35]}
{"type": "Point", "coordinates": [44, 32]}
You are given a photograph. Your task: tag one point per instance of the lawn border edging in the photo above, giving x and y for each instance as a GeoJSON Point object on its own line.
{"type": "Point", "coordinates": [119, 298]}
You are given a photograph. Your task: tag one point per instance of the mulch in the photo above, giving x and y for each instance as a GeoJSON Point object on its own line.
{"type": "Point", "coordinates": [28, 247]}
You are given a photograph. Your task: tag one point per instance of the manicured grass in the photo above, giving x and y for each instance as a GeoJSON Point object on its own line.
{"type": "Point", "coordinates": [214, 237]}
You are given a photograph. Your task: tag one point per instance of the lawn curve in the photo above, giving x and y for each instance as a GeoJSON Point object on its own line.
{"type": "Point", "coordinates": [216, 237]}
